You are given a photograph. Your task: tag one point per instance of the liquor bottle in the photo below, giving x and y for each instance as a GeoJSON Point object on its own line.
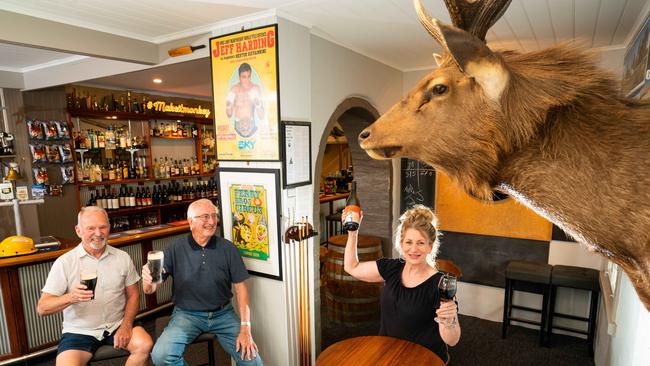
{"type": "Point", "coordinates": [136, 106]}
{"type": "Point", "coordinates": [101, 200]}
{"type": "Point", "coordinates": [92, 201]}
{"type": "Point", "coordinates": [108, 200]}
{"type": "Point", "coordinates": [123, 138]}
{"type": "Point", "coordinates": [116, 204]}
{"type": "Point", "coordinates": [125, 171]}
{"type": "Point", "coordinates": [186, 167]}
{"type": "Point", "coordinates": [138, 198]}
{"type": "Point", "coordinates": [143, 104]}
{"type": "Point", "coordinates": [110, 138]}
{"type": "Point", "coordinates": [132, 172]}
{"type": "Point", "coordinates": [111, 171]}
{"type": "Point", "coordinates": [353, 210]}
{"type": "Point", "coordinates": [147, 196]}
{"type": "Point", "coordinates": [154, 197]}
{"type": "Point", "coordinates": [120, 198]}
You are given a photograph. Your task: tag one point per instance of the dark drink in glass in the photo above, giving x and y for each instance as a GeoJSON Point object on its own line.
{"type": "Point", "coordinates": [447, 289]}
{"type": "Point", "coordinates": [89, 279]}
{"type": "Point", "coordinates": [155, 260]}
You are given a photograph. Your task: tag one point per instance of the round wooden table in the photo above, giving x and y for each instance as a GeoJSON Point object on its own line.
{"type": "Point", "coordinates": [377, 351]}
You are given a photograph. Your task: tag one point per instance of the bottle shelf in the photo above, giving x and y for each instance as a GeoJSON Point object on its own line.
{"type": "Point", "coordinates": [139, 180]}
{"type": "Point", "coordinates": [173, 137]}
{"type": "Point", "coordinates": [185, 177]}
{"type": "Point", "coordinates": [112, 182]}
{"type": "Point", "coordinates": [131, 210]}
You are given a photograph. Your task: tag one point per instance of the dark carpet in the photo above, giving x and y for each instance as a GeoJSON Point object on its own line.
{"type": "Point", "coordinates": [481, 344]}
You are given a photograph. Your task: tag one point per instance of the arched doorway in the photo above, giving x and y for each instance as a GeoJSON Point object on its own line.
{"type": "Point", "coordinates": [374, 183]}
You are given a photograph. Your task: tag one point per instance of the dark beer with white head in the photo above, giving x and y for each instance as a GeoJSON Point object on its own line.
{"type": "Point", "coordinates": [155, 260]}
{"type": "Point", "coordinates": [89, 279]}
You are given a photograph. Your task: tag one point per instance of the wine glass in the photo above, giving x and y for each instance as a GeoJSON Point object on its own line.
{"type": "Point", "coordinates": [447, 289]}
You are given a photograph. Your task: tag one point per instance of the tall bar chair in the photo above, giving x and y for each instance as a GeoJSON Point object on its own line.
{"type": "Point", "coordinates": [531, 277]}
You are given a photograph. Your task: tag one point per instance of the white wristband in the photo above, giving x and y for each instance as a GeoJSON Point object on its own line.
{"type": "Point", "coordinates": [246, 323]}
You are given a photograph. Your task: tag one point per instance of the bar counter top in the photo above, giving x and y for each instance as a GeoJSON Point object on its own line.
{"type": "Point", "coordinates": [115, 239]}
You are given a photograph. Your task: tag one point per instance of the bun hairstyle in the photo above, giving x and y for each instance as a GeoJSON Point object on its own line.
{"type": "Point", "coordinates": [421, 218]}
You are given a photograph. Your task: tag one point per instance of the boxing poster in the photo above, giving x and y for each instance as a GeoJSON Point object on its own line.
{"type": "Point", "coordinates": [246, 96]}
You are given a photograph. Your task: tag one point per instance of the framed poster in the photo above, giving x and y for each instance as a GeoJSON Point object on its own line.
{"type": "Point", "coordinates": [250, 213]}
{"type": "Point", "coordinates": [245, 88]}
{"type": "Point", "coordinates": [296, 154]}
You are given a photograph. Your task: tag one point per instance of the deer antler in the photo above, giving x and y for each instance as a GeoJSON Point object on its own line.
{"type": "Point", "coordinates": [475, 17]}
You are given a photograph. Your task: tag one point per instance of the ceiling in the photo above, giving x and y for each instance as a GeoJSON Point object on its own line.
{"type": "Point", "coordinates": [385, 30]}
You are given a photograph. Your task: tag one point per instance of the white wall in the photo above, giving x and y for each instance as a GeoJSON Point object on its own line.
{"type": "Point", "coordinates": [337, 74]}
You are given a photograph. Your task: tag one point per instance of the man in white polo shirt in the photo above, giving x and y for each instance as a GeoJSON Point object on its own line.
{"type": "Point", "coordinates": [105, 318]}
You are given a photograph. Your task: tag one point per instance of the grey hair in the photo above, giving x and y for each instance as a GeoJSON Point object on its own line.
{"type": "Point", "coordinates": [421, 218]}
{"type": "Point", "coordinates": [197, 203]}
{"type": "Point", "coordinates": [89, 209]}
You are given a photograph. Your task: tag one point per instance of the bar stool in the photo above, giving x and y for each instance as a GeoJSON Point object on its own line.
{"type": "Point", "coordinates": [209, 338]}
{"type": "Point", "coordinates": [108, 353]}
{"type": "Point", "coordinates": [531, 277]}
{"type": "Point", "coordinates": [333, 224]}
{"type": "Point", "coordinates": [578, 278]}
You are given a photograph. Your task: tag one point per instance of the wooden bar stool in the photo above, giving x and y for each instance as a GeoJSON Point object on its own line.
{"type": "Point", "coordinates": [578, 278]}
{"type": "Point", "coordinates": [531, 277]}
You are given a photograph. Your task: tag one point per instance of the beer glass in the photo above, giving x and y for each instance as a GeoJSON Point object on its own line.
{"type": "Point", "coordinates": [155, 260]}
{"type": "Point", "coordinates": [88, 277]}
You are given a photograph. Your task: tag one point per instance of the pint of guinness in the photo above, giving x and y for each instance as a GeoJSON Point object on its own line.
{"type": "Point", "coordinates": [89, 279]}
{"type": "Point", "coordinates": [155, 260]}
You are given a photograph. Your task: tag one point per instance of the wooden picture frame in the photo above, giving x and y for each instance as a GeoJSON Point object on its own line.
{"type": "Point", "coordinates": [250, 217]}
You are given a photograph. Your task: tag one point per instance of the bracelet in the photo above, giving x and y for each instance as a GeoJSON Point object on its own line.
{"type": "Point", "coordinates": [248, 324]}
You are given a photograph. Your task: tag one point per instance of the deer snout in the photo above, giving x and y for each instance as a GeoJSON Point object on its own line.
{"type": "Point", "coordinates": [377, 149]}
{"type": "Point", "coordinates": [364, 135]}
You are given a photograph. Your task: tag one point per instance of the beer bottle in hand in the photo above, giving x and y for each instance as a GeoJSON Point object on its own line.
{"type": "Point", "coordinates": [352, 210]}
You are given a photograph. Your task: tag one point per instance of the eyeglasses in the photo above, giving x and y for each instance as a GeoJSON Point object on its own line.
{"type": "Point", "coordinates": [205, 217]}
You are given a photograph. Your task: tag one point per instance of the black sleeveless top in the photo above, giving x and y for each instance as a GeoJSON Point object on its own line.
{"type": "Point", "coordinates": [408, 313]}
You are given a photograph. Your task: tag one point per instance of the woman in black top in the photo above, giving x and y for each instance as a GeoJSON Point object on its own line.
{"type": "Point", "coordinates": [410, 302]}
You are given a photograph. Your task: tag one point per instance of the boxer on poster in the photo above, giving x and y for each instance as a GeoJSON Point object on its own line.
{"type": "Point", "coordinates": [244, 103]}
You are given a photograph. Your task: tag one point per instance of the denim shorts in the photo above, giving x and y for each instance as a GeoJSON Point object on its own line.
{"type": "Point", "coordinates": [82, 342]}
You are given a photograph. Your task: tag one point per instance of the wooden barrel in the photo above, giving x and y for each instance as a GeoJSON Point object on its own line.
{"type": "Point", "coordinates": [348, 300]}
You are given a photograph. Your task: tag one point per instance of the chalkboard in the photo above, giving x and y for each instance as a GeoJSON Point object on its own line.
{"type": "Point", "coordinates": [418, 184]}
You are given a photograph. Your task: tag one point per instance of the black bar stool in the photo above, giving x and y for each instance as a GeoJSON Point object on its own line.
{"type": "Point", "coordinates": [108, 353]}
{"type": "Point", "coordinates": [529, 277]}
{"type": "Point", "coordinates": [208, 338]}
{"type": "Point", "coordinates": [333, 225]}
{"type": "Point", "coordinates": [578, 278]}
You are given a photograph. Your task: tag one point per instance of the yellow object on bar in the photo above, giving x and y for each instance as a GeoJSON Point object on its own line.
{"type": "Point", "coordinates": [16, 245]}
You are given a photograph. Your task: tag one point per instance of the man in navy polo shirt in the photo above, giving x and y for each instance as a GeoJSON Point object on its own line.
{"type": "Point", "coordinates": [204, 268]}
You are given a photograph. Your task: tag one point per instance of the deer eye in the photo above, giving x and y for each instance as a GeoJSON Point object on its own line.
{"type": "Point", "coordinates": [439, 89]}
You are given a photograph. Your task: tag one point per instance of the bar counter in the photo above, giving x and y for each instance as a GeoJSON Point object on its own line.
{"type": "Point", "coordinates": [22, 330]}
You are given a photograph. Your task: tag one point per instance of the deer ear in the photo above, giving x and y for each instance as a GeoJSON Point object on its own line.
{"type": "Point", "coordinates": [475, 59]}
{"type": "Point", "coordinates": [438, 58]}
